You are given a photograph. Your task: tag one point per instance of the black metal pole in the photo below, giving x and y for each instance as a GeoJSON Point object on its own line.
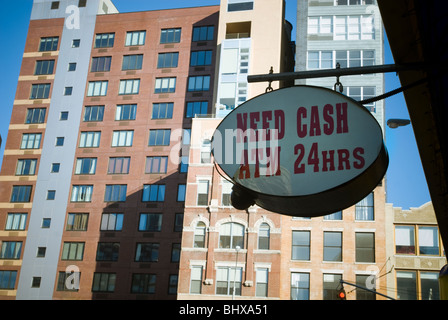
{"type": "Point", "coordinates": [364, 288]}
{"type": "Point", "coordinates": [338, 72]}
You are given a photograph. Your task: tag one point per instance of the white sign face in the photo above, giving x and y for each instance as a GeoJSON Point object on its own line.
{"type": "Point", "coordinates": [297, 141]}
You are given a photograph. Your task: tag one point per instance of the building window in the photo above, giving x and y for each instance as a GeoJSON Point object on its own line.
{"type": "Point", "coordinates": [26, 167]}
{"type": "Point", "coordinates": [320, 25]}
{"type": "Point", "coordinates": [300, 286]}
{"type": "Point", "coordinates": [7, 279]}
{"type": "Point", "coordinates": [228, 278]}
{"type": "Point", "coordinates": [172, 284]}
{"type": "Point", "coordinates": [364, 210]}
{"type": "Point", "coordinates": [132, 62]}
{"type": "Point", "coordinates": [334, 216]}
{"type": "Point", "coordinates": [362, 280]}
{"type": "Point", "coordinates": [196, 280]}
{"type": "Point", "coordinates": [183, 167]}
{"type": "Point", "coordinates": [76, 43]}
{"type": "Point", "coordinates": [21, 194]}
{"type": "Point", "coordinates": [261, 282]}
{"type": "Point", "coordinates": [103, 282]}
{"type": "Point", "coordinates": [143, 283]}
{"type": "Point", "coordinates": [107, 251]}
{"type": "Point", "coordinates": [122, 138]}
{"type": "Point", "coordinates": [156, 164]}
{"type": "Point", "coordinates": [301, 245]}
{"type": "Point", "coordinates": [162, 110]}
{"type": "Point", "coordinates": [131, 86]}
{"type": "Point", "coordinates": [198, 83]}
{"type": "Point", "coordinates": [48, 44]}
{"type": "Point", "coordinates": [16, 221]}
{"type": "Point", "coordinates": [332, 246]}
{"type": "Point", "coordinates": [73, 251]}
{"type": "Point", "coordinates": [168, 60]}
{"type": "Point", "coordinates": [104, 40]}
{"type": "Point", "coordinates": [35, 115]}
{"type": "Point", "coordinates": [196, 108]}
{"type": "Point", "coordinates": [85, 165]}
{"type": "Point", "coordinates": [59, 141]}
{"type": "Point", "coordinates": [170, 35]}
{"type": "Point", "coordinates": [175, 252]}
{"type": "Point", "coordinates": [97, 88]}
{"type": "Point", "coordinates": [205, 33]}
{"type": "Point", "coordinates": [231, 235]}
{"type": "Point", "coordinates": [206, 149]}
{"type": "Point", "coordinates": [119, 165]}
{"type": "Point", "coordinates": [201, 58]}
{"type": "Point", "coordinates": [356, 27]}
{"type": "Point", "coordinates": [46, 223]}
{"type": "Point", "coordinates": [227, 193]}
{"type": "Point", "coordinates": [405, 240]}
{"type": "Point", "coordinates": [362, 93]}
{"type": "Point", "coordinates": [72, 66]}
{"type": "Point", "coordinates": [40, 91]}
{"type": "Point", "coordinates": [346, 58]}
{"type": "Point", "coordinates": [159, 137]}
{"type": "Point", "coordinates": [355, 58]}
{"type": "Point", "coordinates": [428, 240]}
{"type": "Point", "coordinates": [82, 193]}
{"type": "Point", "coordinates": [55, 167]}
{"type": "Point", "coordinates": [178, 222]}
{"type": "Point", "coordinates": [68, 281]}
{"type": "Point", "coordinates": [240, 6]}
{"type": "Point", "coordinates": [101, 64]}
{"type": "Point", "coordinates": [135, 38]}
{"type": "Point", "coordinates": [35, 283]}
{"type": "Point", "coordinates": [150, 222]}
{"type": "Point", "coordinates": [181, 191]}
{"type": "Point", "coordinates": [429, 285]}
{"type": "Point", "coordinates": [365, 247]}
{"type": "Point", "coordinates": [353, 2]}
{"type": "Point", "coordinates": [111, 222]}
{"type": "Point", "coordinates": [51, 194]}
{"type": "Point", "coordinates": [165, 85]}
{"type": "Point", "coordinates": [44, 67]}
{"type": "Point", "coordinates": [153, 193]}
{"type": "Point", "coordinates": [82, 3]}
{"type": "Point", "coordinates": [77, 222]}
{"type": "Point", "coordinates": [68, 91]}
{"type": "Point", "coordinates": [89, 139]}
{"type": "Point", "coordinates": [147, 252]}
{"type": "Point", "coordinates": [406, 285]}
{"type": "Point", "coordinates": [330, 286]}
{"type": "Point", "coordinates": [93, 113]}
{"type": "Point", "coordinates": [199, 235]}
{"type": "Point", "coordinates": [54, 5]}
{"type": "Point", "coordinates": [63, 116]}
{"type": "Point", "coordinates": [263, 236]}
{"type": "Point", "coordinates": [203, 186]}
{"type": "Point", "coordinates": [11, 250]}
{"type": "Point", "coordinates": [126, 112]}
{"type": "Point", "coordinates": [115, 193]}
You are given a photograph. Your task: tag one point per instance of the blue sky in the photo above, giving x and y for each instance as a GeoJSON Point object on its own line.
{"type": "Point", "coordinates": [406, 183]}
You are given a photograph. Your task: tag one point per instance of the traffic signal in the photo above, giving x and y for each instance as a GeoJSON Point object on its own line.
{"type": "Point", "coordinates": [341, 294]}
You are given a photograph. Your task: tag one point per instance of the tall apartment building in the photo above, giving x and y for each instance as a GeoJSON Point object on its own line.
{"type": "Point", "coordinates": [92, 186]}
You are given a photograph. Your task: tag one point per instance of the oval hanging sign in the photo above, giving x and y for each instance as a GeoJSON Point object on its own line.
{"type": "Point", "coordinates": [302, 151]}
